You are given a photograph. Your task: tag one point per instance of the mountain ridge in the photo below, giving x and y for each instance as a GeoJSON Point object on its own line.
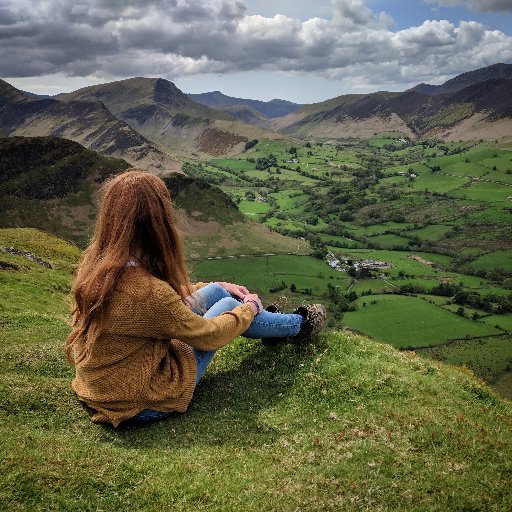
{"type": "Point", "coordinates": [270, 109]}
{"type": "Point", "coordinates": [86, 122]}
{"type": "Point", "coordinates": [412, 112]}
{"type": "Point", "coordinates": [162, 113]}
{"type": "Point", "coordinates": [458, 82]}
{"type": "Point", "coordinates": [144, 120]}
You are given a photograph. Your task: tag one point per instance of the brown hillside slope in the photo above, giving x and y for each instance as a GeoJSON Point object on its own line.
{"type": "Point", "coordinates": [480, 110]}
{"type": "Point", "coordinates": [52, 184]}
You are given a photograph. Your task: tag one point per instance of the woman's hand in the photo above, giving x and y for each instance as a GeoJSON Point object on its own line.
{"type": "Point", "coordinates": [254, 301]}
{"type": "Point", "coordinates": [234, 289]}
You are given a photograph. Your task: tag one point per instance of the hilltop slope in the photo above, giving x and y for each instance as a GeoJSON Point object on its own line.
{"type": "Point", "coordinates": [89, 123]}
{"type": "Point", "coordinates": [53, 183]}
{"type": "Point", "coordinates": [160, 111]}
{"type": "Point", "coordinates": [342, 423]}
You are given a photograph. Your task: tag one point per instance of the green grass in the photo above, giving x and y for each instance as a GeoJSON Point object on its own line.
{"type": "Point", "coordinates": [233, 163]}
{"type": "Point", "coordinates": [497, 259]}
{"type": "Point", "coordinates": [375, 229]}
{"type": "Point", "coordinates": [417, 167]}
{"type": "Point", "coordinates": [463, 168]}
{"type": "Point", "coordinates": [503, 176]}
{"type": "Point", "coordinates": [427, 283]}
{"type": "Point", "coordinates": [389, 240]}
{"type": "Point", "coordinates": [491, 214]}
{"type": "Point", "coordinates": [55, 250]}
{"type": "Point", "coordinates": [290, 200]}
{"type": "Point", "coordinates": [432, 232]}
{"type": "Point", "coordinates": [292, 225]}
{"type": "Point", "coordinates": [401, 260]}
{"type": "Point", "coordinates": [411, 322]}
{"type": "Point", "coordinates": [253, 207]}
{"type": "Point", "coordinates": [342, 423]}
{"type": "Point", "coordinates": [440, 259]}
{"type": "Point", "coordinates": [346, 242]}
{"type": "Point", "coordinates": [504, 321]}
{"type": "Point", "coordinates": [487, 192]}
{"type": "Point", "coordinates": [263, 273]}
{"type": "Point", "coordinates": [436, 182]}
{"type": "Point", "coordinates": [375, 285]}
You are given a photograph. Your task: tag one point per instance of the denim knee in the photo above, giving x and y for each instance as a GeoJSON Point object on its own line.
{"type": "Point", "coordinates": [229, 303]}
{"type": "Point", "coordinates": [204, 298]}
{"type": "Point", "coordinates": [213, 292]}
{"type": "Point", "coordinates": [214, 288]}
{"type": "Point", "coordinates": [221, 306]}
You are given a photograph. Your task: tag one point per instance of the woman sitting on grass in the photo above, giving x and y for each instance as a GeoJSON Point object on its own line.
{"type": "Point", "coordinates": [142, 333]}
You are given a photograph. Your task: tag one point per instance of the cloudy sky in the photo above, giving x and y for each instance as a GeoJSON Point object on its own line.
{"type": "Point", "coordinates": [303, 51]}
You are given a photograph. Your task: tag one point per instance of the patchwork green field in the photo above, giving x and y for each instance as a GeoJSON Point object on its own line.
{"type": "Point", "coordinates": [252, 207]}
{"type": "Point", "coordinates": [382, 317]}
{"type": "Point", "coordinates": [489, 358]}
{"type": "Point", "coordinates": [267, 273]}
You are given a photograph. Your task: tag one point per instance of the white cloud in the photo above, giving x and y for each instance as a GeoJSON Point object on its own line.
{"type": "Point", "coordinates": [172, 38]}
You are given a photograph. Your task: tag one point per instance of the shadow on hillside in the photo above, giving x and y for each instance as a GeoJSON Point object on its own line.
{"type": "Point", "coordinates": [227, 405]}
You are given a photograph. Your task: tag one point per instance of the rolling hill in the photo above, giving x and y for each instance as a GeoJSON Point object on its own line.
{"type": "Point", "coordinates": [481, 110]}
{"type": "Point", "coordinates": [89, 123]}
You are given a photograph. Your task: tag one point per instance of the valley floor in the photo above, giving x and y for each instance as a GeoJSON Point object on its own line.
{"type": "Point", "coordinates": [436, 215]}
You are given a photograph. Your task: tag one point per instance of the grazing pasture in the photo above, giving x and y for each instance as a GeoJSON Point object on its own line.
{"type": "Point", "coordinates": [411, 322]}
{"type": "Point", "coordinates": [489, 358]}
{"type": "Point", "coordinates": [265, 273]}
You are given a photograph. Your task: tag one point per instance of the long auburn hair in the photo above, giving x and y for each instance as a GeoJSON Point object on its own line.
{"type": "Point", "coordinates": [135, 215]}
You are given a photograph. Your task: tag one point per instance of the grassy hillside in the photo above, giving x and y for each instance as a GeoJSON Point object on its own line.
{"type": "Point", "coordinates": [343, 423]}
{"type": "Point", "coordinates": [51, 184]}
{"type": "Point", "coordinates": [436, 214]}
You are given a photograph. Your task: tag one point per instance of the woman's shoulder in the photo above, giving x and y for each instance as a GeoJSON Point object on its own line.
{"type": "Point", "coordinates": [141, 284]}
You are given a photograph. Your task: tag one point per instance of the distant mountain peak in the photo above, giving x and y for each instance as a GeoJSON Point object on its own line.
{"type": "Point", "coordinates": [271, 109]}
{"type": "Point", "coordinates": [10, 93]}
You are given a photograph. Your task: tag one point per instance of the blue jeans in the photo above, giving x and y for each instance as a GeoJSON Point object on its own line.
{"type": "Point", "coordinates": [213, 300]}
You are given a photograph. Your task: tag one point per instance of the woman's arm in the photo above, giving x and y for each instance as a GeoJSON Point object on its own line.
{"type": "Point", "coordinates": [162, 314]}
{"type": "Point", "coordinates": [176, 320]}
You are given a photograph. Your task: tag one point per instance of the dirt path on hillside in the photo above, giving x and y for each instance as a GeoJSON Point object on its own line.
{"type": "Point", "coordinates": [421, 260]}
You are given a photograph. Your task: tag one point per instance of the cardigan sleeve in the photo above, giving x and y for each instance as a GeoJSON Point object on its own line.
{"type": "Point", "coordinates": [160, 313]}
{"type": "Point", "coordinates": [177, 320]}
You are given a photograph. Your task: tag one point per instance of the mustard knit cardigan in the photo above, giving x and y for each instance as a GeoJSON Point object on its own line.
{"type": "Point", "coordinates": [143, 357]}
